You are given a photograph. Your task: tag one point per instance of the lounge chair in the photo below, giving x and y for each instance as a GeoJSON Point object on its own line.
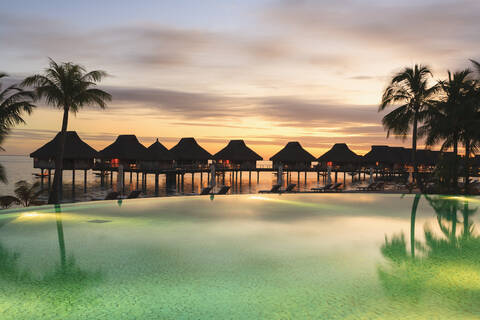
{"type": "Point", "coordinates": [112, 195]}
{"type": "Point", "coordinates": [323, 189]}
{"type": "Point", "coordinates": [206, 191]}
{"type": "Point", "coordinates": [275, 189]}
{"type": "Point", "coordinates": [290, 187]}
{"type": "Point", "coordinates": [134, 194]}
{"type": "Point", "coordinates": [223, 190]}
{"type": "Point", "coordinates": [335, 187]}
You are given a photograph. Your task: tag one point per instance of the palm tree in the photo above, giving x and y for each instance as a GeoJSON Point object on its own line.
{"type": "Point", "coordinates": [14, 102]}
{"type": "Point", "coordinates": [410, 89]}
{"type": "Point", "coordinates": [69, 87]}
{"type": "Point", "coordinates": [473, 125]}
{"type": "Point", "coordinates": [7, 201]}
{"type": "Point", "coordinates": [453, 119]}
{"type": "Point", "coordinates": [476, 64]}
{"type": "Point", "coordinates": [27, 193]}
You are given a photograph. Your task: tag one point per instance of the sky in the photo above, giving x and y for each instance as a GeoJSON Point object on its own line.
{"type": "Point", "coordinates": [264, 71]}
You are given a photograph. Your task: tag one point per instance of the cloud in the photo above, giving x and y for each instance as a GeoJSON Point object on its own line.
{"type": "Point", "coordinates": [434, 28]}
{"type": "Point", "coordinates": [286, 111]}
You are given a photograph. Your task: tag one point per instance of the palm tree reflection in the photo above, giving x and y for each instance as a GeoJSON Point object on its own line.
{"type": "Point", "coordinates": [61, 239]}
{"type": "Point", "coordinates": [61, 288]}
{"type": "Point", "coordinates": [447, 268]}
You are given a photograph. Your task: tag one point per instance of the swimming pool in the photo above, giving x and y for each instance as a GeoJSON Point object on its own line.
{"type": "Point", "coordinates": [328, 256]}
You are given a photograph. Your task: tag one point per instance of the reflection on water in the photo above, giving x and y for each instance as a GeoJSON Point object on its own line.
{"type": "Point", "coordinates": [58, 289]}
{"type": "Point", "coordinates": [244, 257]}
{"type": "Point", "coordinates": [446, 273]}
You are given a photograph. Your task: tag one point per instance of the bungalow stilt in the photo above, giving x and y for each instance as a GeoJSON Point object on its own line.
{"type": "Point", "coordinates": [85, 181]}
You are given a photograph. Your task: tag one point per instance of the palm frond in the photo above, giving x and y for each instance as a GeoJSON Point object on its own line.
{"type": "Point", "coordinates": [476, 64]}
{"type": "Point", "coordinates": [94, 76]}
{"type": "Point", "coordinates": [398, 121]}
{"type": "Point", "coordinates": [26, 192]}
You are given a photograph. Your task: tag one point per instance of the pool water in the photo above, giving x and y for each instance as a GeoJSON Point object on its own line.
{"type": "Point", "coordinates": [328, 256]}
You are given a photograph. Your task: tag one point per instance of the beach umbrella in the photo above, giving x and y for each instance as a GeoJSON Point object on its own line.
{"type": "Point", "coordinates": [329, 175]}
{"type": "Point", "coordinates": [371, 175]}
{"type": "Point", "coordinates": [212, 176]}
{"type": "Point", "coordinates": [280, 175]}
{"type": "Point", "coordinates": [120, 178]}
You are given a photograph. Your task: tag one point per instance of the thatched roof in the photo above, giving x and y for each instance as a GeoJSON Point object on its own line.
{"type": "Point", "coordinates": [187, 149]}
{"type": "Point", "coordinates": [400, 155]}
{"type": "Point", "coordinates": [340, 153]}
{"type": "Point", "coordinates": [75, 148]}
{"type": "Point", "coordinates": [426, 157]}
{"type": "Point", "coordinates": [237, 150]}
{"type": "Point", "coordinates": [126, 147]}
{"type": "Point", "coordinates": [293, 152]}
{"type": "Point", "coordinates": [382, 154]}
{"type": "Point", "coordinates": [159, 152]}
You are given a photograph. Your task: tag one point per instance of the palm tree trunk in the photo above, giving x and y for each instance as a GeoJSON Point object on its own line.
{"type": "Point", "coordinates": [467, 165]}
{"type": "Point", "coordinates": [412, 224]}
{"type": "Point", "coordinates": [55, 195]}
{"type": "Point", "coordinates": [414, 147]}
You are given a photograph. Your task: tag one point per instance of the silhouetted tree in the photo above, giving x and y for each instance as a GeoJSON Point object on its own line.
{"type": "Point", "coordinates": [454, 118]}
{"type": "Point", "coordinates": [14, 102]}
{"type": "Point", "coordinates": [27, 193]}
{"type": "Point", "coordinates": [411, 90]}
{"type": "Point", "coordinates": [8, 201]}
{"type": "Point", "coordinates": [69, 87]}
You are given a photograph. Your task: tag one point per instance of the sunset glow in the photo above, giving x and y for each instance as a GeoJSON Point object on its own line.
{"type": "Point", "coordinates": [265, 71]}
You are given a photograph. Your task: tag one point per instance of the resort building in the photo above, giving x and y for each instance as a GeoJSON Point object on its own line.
{"type": "Point", "coordinates": [293, 157]}
{"type": "Point", "coordinates": [161, 157]}
{"type": "Point", "coordinates": [188, 153]}
{"type": "Point", "coordinates": [339, 157]}
{"type": "Point", "coordinates": [77, 155]}
{"type": "Point", "coordinates": [236, 155]}
{"type": "Point", "coordinates": [127, 151]}
{"type": "Point", "coordinates": [385, 157]}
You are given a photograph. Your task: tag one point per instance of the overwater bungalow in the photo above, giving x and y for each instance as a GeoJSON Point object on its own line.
{"type": "Point", "coordinates": [293, 157]}
{"type": "Point", "coordinates": [188, 153]}
{"type": "Point", "coordinates": [126, 151]}
{"type": "Point", "coordinates": [426, 159]}
{"type": "Point", "coordinates": [399, 157]}
{"type": "Point", "coordinates": [161, 157]}
{"type": "Point", "coordinates": [385, 157]}
{"type": "Point", "coordinates": [339, 157]}
{"type": "Point", "coordinates": [77, 155]}
{"type": "Point", "coordinates": [236, 155]}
